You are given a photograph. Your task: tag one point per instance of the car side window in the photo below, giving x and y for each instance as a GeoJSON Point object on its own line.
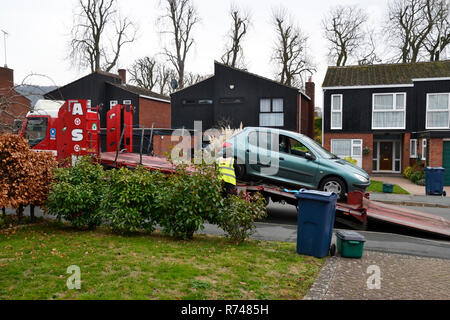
{"type": "Point", "coordinates": [293, 146]}
{"type": "Point", "coordinates": [260, 139]}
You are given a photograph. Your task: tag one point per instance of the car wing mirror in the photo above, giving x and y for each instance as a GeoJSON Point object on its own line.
{"type": "Point", "coordinates": [309, 156]}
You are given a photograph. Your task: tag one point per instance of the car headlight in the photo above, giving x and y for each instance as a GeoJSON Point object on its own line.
{"type": "Point", "coordinates": [360, 177]}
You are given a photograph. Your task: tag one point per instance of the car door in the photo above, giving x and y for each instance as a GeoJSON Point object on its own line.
{"type": "Point", "coordinates": [294, 167]}
{"type": "Point", "coordinates": [259, 153]}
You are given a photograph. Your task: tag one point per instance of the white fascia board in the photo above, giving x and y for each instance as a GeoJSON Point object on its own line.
{"type": "Point", "coordinates": [431, 79]}
{"type": "Point", "coordinates": [152, 98]}
{"type": "Point", "coordinates": [370, 87]}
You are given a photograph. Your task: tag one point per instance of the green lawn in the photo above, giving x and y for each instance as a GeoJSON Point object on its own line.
{"type": "Point", "coordinates": [34, 261]}
{"type": "Point", "coordinates": [377, 186]}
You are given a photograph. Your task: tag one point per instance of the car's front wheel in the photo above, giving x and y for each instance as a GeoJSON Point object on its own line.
{"type": "Point", "coordinates": [334, 184]}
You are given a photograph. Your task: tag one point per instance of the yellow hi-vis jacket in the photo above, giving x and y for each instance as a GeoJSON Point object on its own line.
{"type": "Point", "coordinates": [226, 170]}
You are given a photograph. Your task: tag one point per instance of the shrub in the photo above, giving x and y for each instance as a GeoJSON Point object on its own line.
{"type": "Point", "coordinates": [416, 176]}
{"type": "Point", "coordinates": [421, 182]}
{"type": "Point", "coordinates": [407, 172]}
{"type": "Point", "coordinates": [77, 192]}
{"type": "Point", "coordinates": [237, 217]}
{"type": "Point", "coordinates": [188, 199]}
{"type": "Point", "coordinates": [129, 202]}
{"type": "Point", "coordinates": [25, 175]}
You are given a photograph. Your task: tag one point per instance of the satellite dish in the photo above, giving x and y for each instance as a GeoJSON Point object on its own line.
{"type": "Point", "coordinates": [174, 84]}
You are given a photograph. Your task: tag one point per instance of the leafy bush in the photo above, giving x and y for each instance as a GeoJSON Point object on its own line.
{"type": "Point", "coordinates": [421, 182]}
{"type": "Point", "coordinates": [407, 172]}
{"type": "Point", "coordinates": [237, 217]}
{"type": "Point", "coordinates": [129, 202]}
{"type": "Point", "coordinates": [25, 175]}
{"type": "Point", "coordinates": [188, 199]}
{"type": "Point", "coordinates": [77, 192]}
{"type": "Point", "coordinates": [416, 176]}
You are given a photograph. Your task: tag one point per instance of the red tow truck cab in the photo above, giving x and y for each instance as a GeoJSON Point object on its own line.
{"type": "Point", "coordinates": [68, 129]}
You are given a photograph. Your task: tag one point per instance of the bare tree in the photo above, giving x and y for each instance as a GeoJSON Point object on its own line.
{"type": "Point", "coordinates": [418, 26]}
{"type": "Point", "coordinates": [439, 37]}
{"type": "Point", "coordinates": [98, 35]}
{"type": "Point", "coordinates": [343, 28]}
{"type": "Point", "coordinates": [233, 55]}
{"type": "Point", "coordinates": [165, 77]}
{"type": "Point", "coordinates": [367, 51]}
{"type": "Point", "coordinates": [178, 20]}
{"type": "Point", "coordinates": [192, 78]}
{"type": "Point", "coordinates": [290, 50]}
{"type": "Point", "coordinates": [144, 73]}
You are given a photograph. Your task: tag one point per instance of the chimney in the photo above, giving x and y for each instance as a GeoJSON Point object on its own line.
{"type": "Point", "coordinates": [310, 92]}
{"type": "Point", "coordinates": [6, 78]}
{"type": "Point", "coordinates": [123, 75]}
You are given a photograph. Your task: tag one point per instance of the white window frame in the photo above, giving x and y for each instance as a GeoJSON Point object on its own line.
{"type": "Point", "coordinates": [424, 147]}
{"type": "Point", "coordinates": [127, 102]}
{"type": "Point", "coordinates": [271, 111]}
{"type": "Point", "coordinates": [340, 112]}
{"type": "Point", "coordinates": [394, 109]}
{"type": "Point", "coordinates": [112, 103]}
{"type": "Point", "coordinates": [411, 142]}
{"type": "Point", "coordinates": [440, 110]}
{"type": "Point", "coordinates": [358, 158]}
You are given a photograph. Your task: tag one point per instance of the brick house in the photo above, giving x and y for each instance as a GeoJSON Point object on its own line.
{"type": "Point", "coordinates": [109, 89]}
{"type": "Point", "coordinates": [13, 105]}
{"type": "Point", "coordinates": [389, 116]}
{"type": "Point", "coordinates": [232, 96]}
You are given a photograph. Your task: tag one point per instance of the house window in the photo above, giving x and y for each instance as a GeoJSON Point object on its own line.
{"type": "Point", "coordinates": [413, 148]}
{"type": "Point", "coordinates": [189, 101]}
{"type": "Point", "coordinates": [271, 112]}
{"type": "Point", "coordinates": [424, 149]}
{"type": "Point", "coordinates": [112, 103]}
{"type": "Point", "coordinates": [205, 101]}
{"type": "Point", "coordinates": [127, 102]}
{"type": "Point", "coordinates": [438, 111]}
{"type": "Point", "coordinates": [336, 111]}
{"type": "Point", "coordinates": [388, 111]}
{"type": "Point", "coordinates": [231, 100]}
{"type": "Point", "coordinates": [345, 148]}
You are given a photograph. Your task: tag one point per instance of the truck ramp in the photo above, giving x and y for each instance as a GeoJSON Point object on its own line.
{"type": "Point", "coordinates": [407, 217]}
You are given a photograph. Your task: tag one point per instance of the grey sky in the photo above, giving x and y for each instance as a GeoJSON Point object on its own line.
{"type": "Point", "coordinates": [39, 33]}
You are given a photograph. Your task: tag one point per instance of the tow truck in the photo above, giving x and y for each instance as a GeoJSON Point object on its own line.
{"type": "Point", "coordinates": [70, 129]}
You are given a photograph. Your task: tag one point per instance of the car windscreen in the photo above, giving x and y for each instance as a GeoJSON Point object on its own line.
{"type": "Point", "coordinates": [319, 149]}
{"type": "Point", "coordinates": [36, 130]}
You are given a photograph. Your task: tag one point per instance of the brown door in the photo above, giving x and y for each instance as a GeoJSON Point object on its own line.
{"type": "Point", "coordinates": [386, 156]}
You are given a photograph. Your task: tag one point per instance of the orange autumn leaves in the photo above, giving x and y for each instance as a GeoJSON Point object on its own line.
{"type": "Point", "coordinates": [25, 175]}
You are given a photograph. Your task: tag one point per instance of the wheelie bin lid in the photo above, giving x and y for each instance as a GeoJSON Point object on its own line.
{"type": "Point", "coordinates": [316, 195]}
{"type": "Point", "coordinates": [434, 169]}
{"type": "Point", "coordinates": [350, 235]}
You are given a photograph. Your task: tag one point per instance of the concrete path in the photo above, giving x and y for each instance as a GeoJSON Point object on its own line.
{"type": "Point", "coordinates": [406, 184]}
{"type": "Point", "coordinates": [412, 200]}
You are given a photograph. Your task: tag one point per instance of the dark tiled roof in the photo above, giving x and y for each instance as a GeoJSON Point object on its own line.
{"type": "Point", "coordinates": [140, 91]}
{"type": "Point", "coordinates": [385, 74]}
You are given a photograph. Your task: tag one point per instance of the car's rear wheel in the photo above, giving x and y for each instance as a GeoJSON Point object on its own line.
{"type": "Point", "coordinates": [239, 170]}
{"type": "Point", "coordinates": [334, 184]}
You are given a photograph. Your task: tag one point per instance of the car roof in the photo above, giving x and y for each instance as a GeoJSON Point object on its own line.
{"type": "Point", "coordinates": [279, 131]}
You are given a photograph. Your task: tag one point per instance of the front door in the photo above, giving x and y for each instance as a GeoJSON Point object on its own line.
{"type": "Point", "coordinates": [386, 156]}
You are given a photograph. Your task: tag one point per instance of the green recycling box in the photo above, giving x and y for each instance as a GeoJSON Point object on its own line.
{"type": "Point", "coordinates": [388, 187]}
{"type": "Point", "coordinates": [350, 244]}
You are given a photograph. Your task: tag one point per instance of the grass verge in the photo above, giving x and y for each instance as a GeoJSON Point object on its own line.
{"type": "Point", "coordinates": [34, 262]}
{"type": "Point", "coordinates": [377, 186]}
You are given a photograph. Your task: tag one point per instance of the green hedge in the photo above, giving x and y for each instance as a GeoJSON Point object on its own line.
{"type": "Point", "coordinates": [130, 200]}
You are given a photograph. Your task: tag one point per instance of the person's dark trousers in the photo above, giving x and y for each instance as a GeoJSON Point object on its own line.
{"type": "Point", "coordinates": [228, 189]}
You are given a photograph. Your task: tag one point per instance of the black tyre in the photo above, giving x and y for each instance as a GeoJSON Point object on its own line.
{"type": "Point", "coordinates": [334, 184]}
{"type": "Point", "coordinates": [239, 170]}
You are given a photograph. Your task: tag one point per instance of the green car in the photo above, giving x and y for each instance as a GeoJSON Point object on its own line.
{"type": "Point", "coordinates": [293, 160]}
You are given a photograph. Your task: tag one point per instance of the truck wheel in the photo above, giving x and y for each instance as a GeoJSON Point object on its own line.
{"type": "Point", "coordinates": [334, 184]}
